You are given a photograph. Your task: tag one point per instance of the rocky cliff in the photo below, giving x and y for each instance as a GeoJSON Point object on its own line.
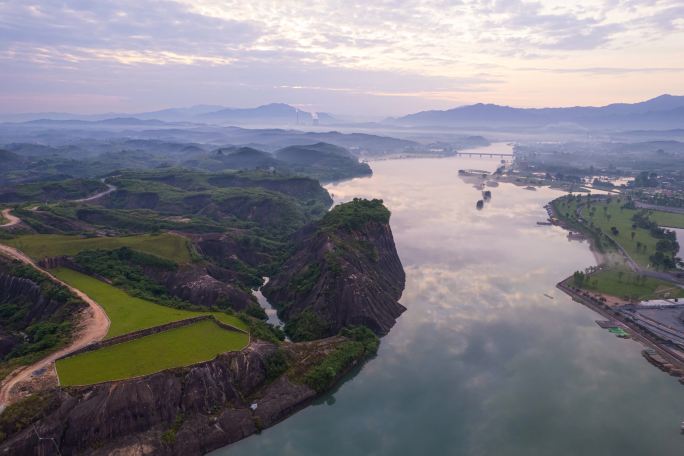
{"type": "Point", "coordinates": [344, 271]}
{"type": "Point", "coordinates": [36, 315]}
{"type": "Point", "coordinates": [185, 411]}
{"type": "Point", "coordinates": [205, 285]}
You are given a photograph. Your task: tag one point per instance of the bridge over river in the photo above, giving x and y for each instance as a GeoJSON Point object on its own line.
{"type": "Point", "coordinates": [484, 154]}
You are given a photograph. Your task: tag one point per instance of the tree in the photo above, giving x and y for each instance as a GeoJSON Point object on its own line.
{"type": "Point", "coordinates": [578, 278]}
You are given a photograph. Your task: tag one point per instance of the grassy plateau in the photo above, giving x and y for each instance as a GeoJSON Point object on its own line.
{"type": "Point", "coordinates": [128, 313]}
{"type": "Point", "coordinates": [183, 346]}
{"type": "Point", "coordinates": [38, 246]}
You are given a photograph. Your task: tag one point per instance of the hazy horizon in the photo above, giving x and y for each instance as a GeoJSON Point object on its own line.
{"type": "Point", "coordinates": [388, 59]}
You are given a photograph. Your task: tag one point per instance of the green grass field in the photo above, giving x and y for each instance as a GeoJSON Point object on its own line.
{"type": "Point", "coordinates": [626, 284]}
{"type": "Point", "coordinates": [38, 246]}
{"type": "Point", "coordinates": [183, 346]}
{"type": "Point", "coordinates": [128, 313]}
{"type": "Point", "coordinates": [667, 219]}
{"type": "Point", "coordinates": [615, 216]}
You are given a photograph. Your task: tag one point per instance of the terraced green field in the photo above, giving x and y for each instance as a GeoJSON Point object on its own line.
{"type": "Point", "coordinates": [183, 346]}
{"type": "Point", "coordinates": [38, 246]}
{"type": "Point", "coordinates": [128, 313]}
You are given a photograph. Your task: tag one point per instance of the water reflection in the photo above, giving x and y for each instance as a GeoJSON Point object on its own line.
{"type": "Point", "coordinates": [482, 362]}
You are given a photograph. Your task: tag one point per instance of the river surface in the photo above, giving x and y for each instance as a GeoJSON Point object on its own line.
{"type": "Point", "coordinates": [482, 362]}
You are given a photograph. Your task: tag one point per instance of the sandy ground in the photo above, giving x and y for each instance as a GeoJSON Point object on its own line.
{"type": "Point", "coordinates": [93, 327]}
{"type": "Point", "coordinates": [7, 214]}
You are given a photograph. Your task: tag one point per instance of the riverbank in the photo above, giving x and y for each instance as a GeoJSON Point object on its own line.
{"type": "Point", "coordinates": [612, 256]}
{"type": "Point", "coordinates": [635, 332]}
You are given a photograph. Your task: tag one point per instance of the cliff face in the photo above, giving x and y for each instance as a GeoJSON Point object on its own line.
{"type": "Point", "coordinates": [184, 411]}
{"type": "Point", "coordinates": [344, 272]}
{"type": "Point", "coordinates": [24, 304]}
{"type": "Point", "coordinates": [204, 285]}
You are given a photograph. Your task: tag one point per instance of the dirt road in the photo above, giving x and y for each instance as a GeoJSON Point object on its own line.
{"type": "Point", "coordinates": [92, 328]}
{"type": "Point", "coordinates": [12, 220]}
{"type": "Point", "coordinates": [110, 189]}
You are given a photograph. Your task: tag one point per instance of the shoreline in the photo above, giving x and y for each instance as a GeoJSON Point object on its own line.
{"type": "Point", "coordinates": [635, 332]}
{"type": "Point", "coordinates": [644, 337]}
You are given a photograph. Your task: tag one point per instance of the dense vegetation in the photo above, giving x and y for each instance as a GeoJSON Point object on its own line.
{"type": "Point", "coordinates": [36, 328]}
{"type": "Point", "coordinates": [67, 189]}
{"type": "Point", "coordinates": [353, 215]}
{"type": "Point", "coordinates": [306, 326]}
{"type": "Point", "coordinates": [362, 344]}
{"type": "Point", "coordinates": [261, 330]}
{"type": "Point", "coordinates": [34, 162]}
{"type": "Point", "coordinates": [276, 364]}
{"type": "Point", "coordinates": [124, 267]}
{"type": "Point", "coordinates": [612, 221]}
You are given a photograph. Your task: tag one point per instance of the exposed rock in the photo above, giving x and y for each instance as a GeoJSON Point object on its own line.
{"type": "Point", "coordinates": [28, 298]}
{"type": "Point", "coordinates": [204, 285]}
{"type": "Point", "coordinates": [221, 247]}
{"type": "Point", "coordinates": [185, 411]}
{"type": "Point", "coordinates": [345, 276]}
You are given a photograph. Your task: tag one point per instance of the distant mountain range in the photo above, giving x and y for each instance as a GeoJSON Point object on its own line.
{"type": "Point", "coordinates": [274, 114]}
{"type": "Point", "coordinates": [665, 111]}
{"type": "Point", "coordinates": [661, 113]}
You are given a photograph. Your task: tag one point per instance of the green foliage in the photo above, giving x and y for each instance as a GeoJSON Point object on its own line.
{"type": "Point", "coordinates": [256, 311]}
{"type": "Point", "coordinates": [261, 330]}
{"type": "Point", "coordinates": [52, 190]}
{"type": "Point", "coordinates": [355, 214]}
{"type": "Point", "coordinates": [305, 280]}
{"type": "Point", "coordinates": [306, 326]}
{"type": "Point", "coordinates": [124, 267]}
{"type": "Point", "coordinates": [646, 179]}
{"type": "Point", "coordinates": [362, 334]}
{"type": "Point", "coordinates": [39, 330]}
{"type": "Point", "coordinates": [26, 411]}
{"type": "Point", "coordinates": [276, 364]}
{"type": "Point", "coordinates": [169, 436]}
{"type": "Point", "coordinates": [363, 343]}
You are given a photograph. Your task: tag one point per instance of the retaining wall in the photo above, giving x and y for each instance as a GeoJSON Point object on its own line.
{"type": "Point", "coordinates": [147, 332]}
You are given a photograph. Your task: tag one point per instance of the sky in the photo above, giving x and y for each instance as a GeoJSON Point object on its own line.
{"type": "Point", "coordinates": [368, 58]}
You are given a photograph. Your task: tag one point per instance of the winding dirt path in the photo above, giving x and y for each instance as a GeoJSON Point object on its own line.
{"type": "Point", "coordinates": [12, 220]}
{"type": "Point", "coordinates": [92, 328]}
{"type": "Point", "coordinates": [110, 189]}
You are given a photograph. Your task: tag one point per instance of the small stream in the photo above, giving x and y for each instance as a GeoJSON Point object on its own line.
{"type": "Point", "coordinates": [270, 310]}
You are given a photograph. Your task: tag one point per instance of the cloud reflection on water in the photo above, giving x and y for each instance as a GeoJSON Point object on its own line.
{"type": "Point", "coordinates": [482, 363]}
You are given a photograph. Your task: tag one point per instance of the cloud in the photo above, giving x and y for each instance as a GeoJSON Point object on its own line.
{"type": "Point", "coordinates": [606, 70]}
{"type": "Point", "coordinates": [424, 49]}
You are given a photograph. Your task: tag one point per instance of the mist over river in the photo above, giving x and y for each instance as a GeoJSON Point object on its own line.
{"type": "Point", "coordinates": [482, 362]}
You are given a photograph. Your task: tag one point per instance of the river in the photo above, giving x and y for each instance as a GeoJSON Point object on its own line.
{"type": "Point", "coordinates": [482, 362]}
